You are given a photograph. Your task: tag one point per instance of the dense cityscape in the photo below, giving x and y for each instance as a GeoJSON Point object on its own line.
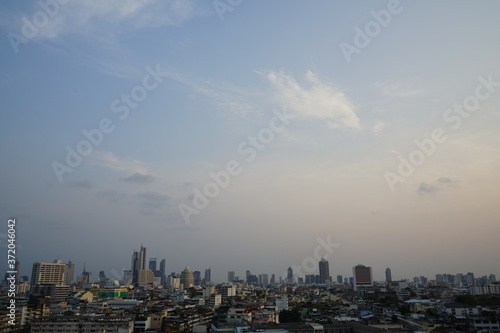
{"type": "Point", "coordinates": [145, 298]}
{"type": "Point", "coordinates": [240, 166]}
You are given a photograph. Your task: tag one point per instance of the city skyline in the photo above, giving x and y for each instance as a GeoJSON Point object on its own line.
{"type": "Point", "coordinates": [258, 137]}
{"type": "Point", "coordinates": [118, 275]}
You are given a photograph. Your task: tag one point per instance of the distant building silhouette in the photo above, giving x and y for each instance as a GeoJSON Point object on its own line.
{"type": "Point", "coordinates": [163, 272]}
{"type": "Point", "coordinates": [289, 275]}
{"type": "Point", "coordinates": [138, 263]}
{"type": "Point", "coordinates": [388, 275]}
{"type": "Point", "coordinates": [197, 278]}
{"type": "Point", "coordinates": [70, 272]}
{"type": "Point", "coordinates": [230, 276]}
{"type": "Point", "coordinates": [208, 275]}
{"type": "Point", "coordinates": [152, 264]}
{"type": "Point", "coordinates": [324, 271]}
{"type": "Point", "coordinates": [362, 276]}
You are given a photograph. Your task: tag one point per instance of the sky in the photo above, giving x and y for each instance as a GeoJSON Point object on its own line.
{"type": "Point", "coordinates": [252, 135]}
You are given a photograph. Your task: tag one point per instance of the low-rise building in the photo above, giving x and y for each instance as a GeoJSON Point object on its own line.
{"type": "Point", "coordinates": [77, 324]}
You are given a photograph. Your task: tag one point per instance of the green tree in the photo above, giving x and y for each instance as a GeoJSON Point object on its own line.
{"type": "Point", "coordinates": [404, 310]}
{"type": "Point", "coordinates": [466, 299]}
{"type": "Point", "coordinates": [290, 316]}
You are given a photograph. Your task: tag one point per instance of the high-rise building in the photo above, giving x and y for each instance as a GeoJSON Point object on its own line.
{"type": "Point", "coordinates": [70, 272]}
{"type": "Point", "coordinates": [197, 278]}
{"type": "Point", "coordinates": [230, 276]}
{"type": "Point", "coordinates": [273, 279]}
{"type": "Point", "coordinates": [146, 276]}
{"type": "Point", "coordinates": [187, 278]}
{"type": "Point", "coordinates": [340, 279]}
{"type": "Point", "coordinates": [362, 276]}
{"type": "Point", "coordinates": [289, 275]}
{"type": "Point", "coordinates": [152, 264]}
{"type": "Point", "coordinates": [324, 271]}
{"type": "Point", "coordinates": [470, 279]}
{"type": "Point", "coordinates": [263, 280]}
{"type": "Point", "coordinates": [163, 272]}
{"type": "Point", "coordinates": [208, 275]}
{"type": "Point", "coordinates": [388, 275]}
{"type": "Point", "coordinates": [252, 279]}
{"type": "Point", "coordinates": [138, 263]}
{"type": "Point", "coordinates": [127, 276]}
{"type": "Point", "coordinates": [48, 273]}
{"type": "Point", "coordinates": [310, 279]}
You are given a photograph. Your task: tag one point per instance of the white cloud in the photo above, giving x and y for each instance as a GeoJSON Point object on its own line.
{"type": "Point", "coordinates": [316, 100]}
{"type": "Point", "coordinates": [224, 96]}
{"type": "Point", "coordinates": [104, 17]}
{"type": "Point", "coordinates": [378, 127]}
{"type": "Point", "coordinates": [395, 89]}
{"type": "Point", "coordinates": [107, 160]}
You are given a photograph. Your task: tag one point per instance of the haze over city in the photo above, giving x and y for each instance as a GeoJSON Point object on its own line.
{"type": "Point", "coordinates": [232, 138]}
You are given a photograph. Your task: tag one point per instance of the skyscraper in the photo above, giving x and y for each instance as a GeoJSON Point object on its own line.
{"type": "Point", "coordinates": [362, 276]}
{"type": "Point", "coordinates": [470, 278]}
{"type": "Point", "coordinates": [152, 264]}
{"type": "Point", "coordinates": [247, 274]}
{"type": "Point", "coordinates": [230, 276]}
{"type": "Point", "coordinates": [208, 275]}
{"type": "Point", "coordinates": [163, 272]}
{"type": "Point", "coordinates": [289, 275]}
{"type": "Point", "coordinates": [263, 279]}
{"type": "Point", "coordinates": [197, 278]}
{"type": "Point", "coordinates": [127, 276]}
{"type": "Point", "coordinates": [70, 272]}
{"type": "Point", "coordinates": [138, 263]}
{"type": "Point", "coordinates": [324, 271]}
{"type": "Point", "coordinates": [388, 275]}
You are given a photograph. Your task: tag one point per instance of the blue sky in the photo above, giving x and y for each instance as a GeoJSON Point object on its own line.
{"type": "Point", "coordinates": [222, 81]}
